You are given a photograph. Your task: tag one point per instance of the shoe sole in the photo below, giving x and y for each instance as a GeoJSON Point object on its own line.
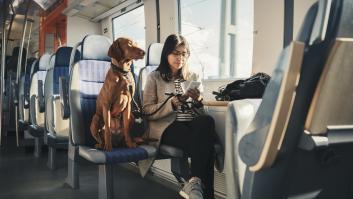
{"type": "Point", "coordinates": [183, 194]}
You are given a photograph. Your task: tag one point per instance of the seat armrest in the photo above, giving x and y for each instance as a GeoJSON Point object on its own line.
{"type": "Point", "coordinates": [26, 101]}
{"type": "Point", "coordinates": [334, 135]}
{"type": "Point", "coordinates": [41, 102]}
{"type": "Point", "coordinates": [64, 97]}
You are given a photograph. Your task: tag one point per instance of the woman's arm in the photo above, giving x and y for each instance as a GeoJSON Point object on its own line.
{"type": "Point", "coordinates": [150, 100]}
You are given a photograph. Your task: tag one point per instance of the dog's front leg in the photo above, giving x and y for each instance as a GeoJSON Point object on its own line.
{"type": "Point", "coordinates": [126, 122]}
{"type": "Point", "coordinates": [107, 133]}
{"type": "Point", "coordinates": [95, 131]}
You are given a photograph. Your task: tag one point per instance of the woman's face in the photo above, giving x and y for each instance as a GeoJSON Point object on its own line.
{"type": "Point", "coordinates": [178, 58]}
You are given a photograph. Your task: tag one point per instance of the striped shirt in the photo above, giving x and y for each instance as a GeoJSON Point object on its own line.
{"type": "Point", "coordinates": [183, 115]}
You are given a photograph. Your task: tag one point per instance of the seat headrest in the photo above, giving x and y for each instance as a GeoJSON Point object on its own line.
{"type": "Point", "coordinates": [44, 61]}
{"type": "Point", "coordinates": [95, 47]}
{"type": "Point", "coordinates": [154, 54]}
{"type": "Point", "coordinates": [62, 57]}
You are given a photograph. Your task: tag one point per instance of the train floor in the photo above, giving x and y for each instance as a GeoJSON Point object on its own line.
{"type": "Point", "coordinates": [22, 176]}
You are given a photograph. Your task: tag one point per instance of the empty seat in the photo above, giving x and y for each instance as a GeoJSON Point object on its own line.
{"type": "Point", "coordinates": [24, 83]}
{"type": "Point", "coordinates": [37, 92]}
{"type": "Point", "coordinates": [86, 80]}
{"type": "Point", "coordinates": [55, 125]}
{"type": "Point", "coordinates": [273, 157]}
{"type": "Point", "coordinates": [37, 104]}
{"type": "Point", "coordinates": [57, 128]}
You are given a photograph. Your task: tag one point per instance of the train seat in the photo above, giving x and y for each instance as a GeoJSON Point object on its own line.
{"type": "Point", "coordinates": [37, 104]}
{"type": "Point", "coordinates": [36, 93]}
{"type": "Point", "coordinates": [23, 100]}
{"type": "Point", "coordinates": [86, 80]}
{"type": "Point", "coordinates": [57, 128]}
{"type": "Point", "coordinates": [274, 155]}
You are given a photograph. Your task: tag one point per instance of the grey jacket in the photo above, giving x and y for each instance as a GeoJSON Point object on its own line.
{"type": "Point", "coordinates": [153, 97]}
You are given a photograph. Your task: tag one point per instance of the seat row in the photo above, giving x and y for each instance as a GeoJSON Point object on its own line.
{"type": "Point", "coordinates": [57, 106]}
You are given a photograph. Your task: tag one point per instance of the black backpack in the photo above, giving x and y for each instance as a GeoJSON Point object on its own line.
{"type": "Point", "coordinates": [252, 87]}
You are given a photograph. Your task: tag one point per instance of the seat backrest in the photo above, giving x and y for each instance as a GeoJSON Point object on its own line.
{"type": "Point", "coordinates": [36, 117]}
{"type": "Point", "coordinates": [332, 102]}
{"type": "Point", "coordinates": [86, 79]}
{"type": "Point", "coordinates": [24, 88]}
{"type": "Point", "coordinates": [59, 67]}
{"type": "Point", "coordinates": [153, 59]}
{"type": "Point", "coordinates": [280, 173]}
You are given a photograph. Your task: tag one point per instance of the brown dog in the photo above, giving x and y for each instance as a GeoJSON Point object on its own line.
{"type": "Point", "coordinates": [113, 108]}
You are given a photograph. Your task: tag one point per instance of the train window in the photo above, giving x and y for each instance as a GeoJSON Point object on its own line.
{"type": "Point", "coordinates": [200, 24]}
{"type": "Point", "coordinates": [220, 34]}
{"type": "Point", "coordinates": [132, 24]}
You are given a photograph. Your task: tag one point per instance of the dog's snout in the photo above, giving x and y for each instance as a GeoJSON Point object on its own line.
{"type": "Point", "coordinates": [142, 52]}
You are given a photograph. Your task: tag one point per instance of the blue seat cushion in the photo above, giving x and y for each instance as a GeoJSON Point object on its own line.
{"type": "Point", "coordinates": [118, 155]}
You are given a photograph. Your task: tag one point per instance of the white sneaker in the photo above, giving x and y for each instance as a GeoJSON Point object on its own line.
{"type": "Point", "coordinates": [192, 189]}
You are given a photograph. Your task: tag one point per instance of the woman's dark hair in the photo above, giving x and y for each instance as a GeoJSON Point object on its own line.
{"type": "Point", "coordinates": [170, 44]}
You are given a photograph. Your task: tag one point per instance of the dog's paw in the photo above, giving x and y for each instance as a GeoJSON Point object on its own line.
{"type": "Point", "coordinates": [131, 144]}
{"type": "Point", "coordinates": [139, 140]}
{"type": "Point", "coordinates": [98, 146]}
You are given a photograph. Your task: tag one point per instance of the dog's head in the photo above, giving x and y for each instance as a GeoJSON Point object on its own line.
{"type": "Point", "coordinates": [125, 49]}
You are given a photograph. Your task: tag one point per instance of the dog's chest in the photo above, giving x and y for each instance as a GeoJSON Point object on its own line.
{"type": "Point", "coordinates": [123, 98]}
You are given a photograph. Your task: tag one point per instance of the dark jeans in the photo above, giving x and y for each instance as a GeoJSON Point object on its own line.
{"type": "Point", "coordinates": [196, 138]}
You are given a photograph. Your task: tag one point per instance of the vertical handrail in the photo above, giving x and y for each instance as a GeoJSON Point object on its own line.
{"type": "Point", "coordinates": [29, 39]}
{"type": "Point", "coordinates": [3, 59]}
{"type": "Point", "coordinates": [288, 22]}
{"type": "Point", "coordinates": [11, 22]}
{"type": "Point", "coordinates": [19, 66]}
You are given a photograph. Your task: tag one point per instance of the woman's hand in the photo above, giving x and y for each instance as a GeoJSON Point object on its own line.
{"type": "Point", "coordinates": [175, 102]}
{"type": "Point", "coordinates": [194, 94]}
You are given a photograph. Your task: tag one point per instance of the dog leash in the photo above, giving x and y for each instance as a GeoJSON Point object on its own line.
{"type": "Point", "coordinates": [141, 111]}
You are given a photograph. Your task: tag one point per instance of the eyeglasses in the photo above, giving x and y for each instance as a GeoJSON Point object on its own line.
{"type": "Point", "coordinates": [181, 54]}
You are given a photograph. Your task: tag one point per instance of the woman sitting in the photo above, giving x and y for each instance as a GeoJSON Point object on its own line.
{"type": "Point", "coordinates": [177, 124]}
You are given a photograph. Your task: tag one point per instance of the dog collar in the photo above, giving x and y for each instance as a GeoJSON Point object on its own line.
{"type": "Point", "coordinates": [116, 68]}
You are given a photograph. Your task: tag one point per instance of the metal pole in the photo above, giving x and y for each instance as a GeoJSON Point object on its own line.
{"type": "Point", "coordinates": [3, 57]}
{"type": "Point", "coordinates": [288, 22]}
{"type": "Point", "coordinates": [19, 62]}
{"type": "Point", "coordinates": [11, 22]}
{"type": "Point", "coordinates": [29, 38]}
{"type": "Point", "coordinates": [19, 66]}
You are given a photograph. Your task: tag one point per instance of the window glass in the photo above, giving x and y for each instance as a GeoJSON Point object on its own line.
{"type": "Point", "coordinates": [200, 24]}
{"type": "Point", "coordinates": [132, 24]}
{"type": "Point", "coordinates": [220, 33]}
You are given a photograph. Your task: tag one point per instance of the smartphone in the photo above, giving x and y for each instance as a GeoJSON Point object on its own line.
{"type": "Point", "coordinates": [193, 85]}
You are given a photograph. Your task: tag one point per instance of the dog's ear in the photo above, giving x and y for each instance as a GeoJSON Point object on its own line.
{"type": "Point", "coordinates": [115, 51]}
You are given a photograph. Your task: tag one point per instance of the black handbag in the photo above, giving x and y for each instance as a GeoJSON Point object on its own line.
{"type": "Point", "coordinates": [139, 125]}
{"type": "Point", "coordinates": [253, 87]}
